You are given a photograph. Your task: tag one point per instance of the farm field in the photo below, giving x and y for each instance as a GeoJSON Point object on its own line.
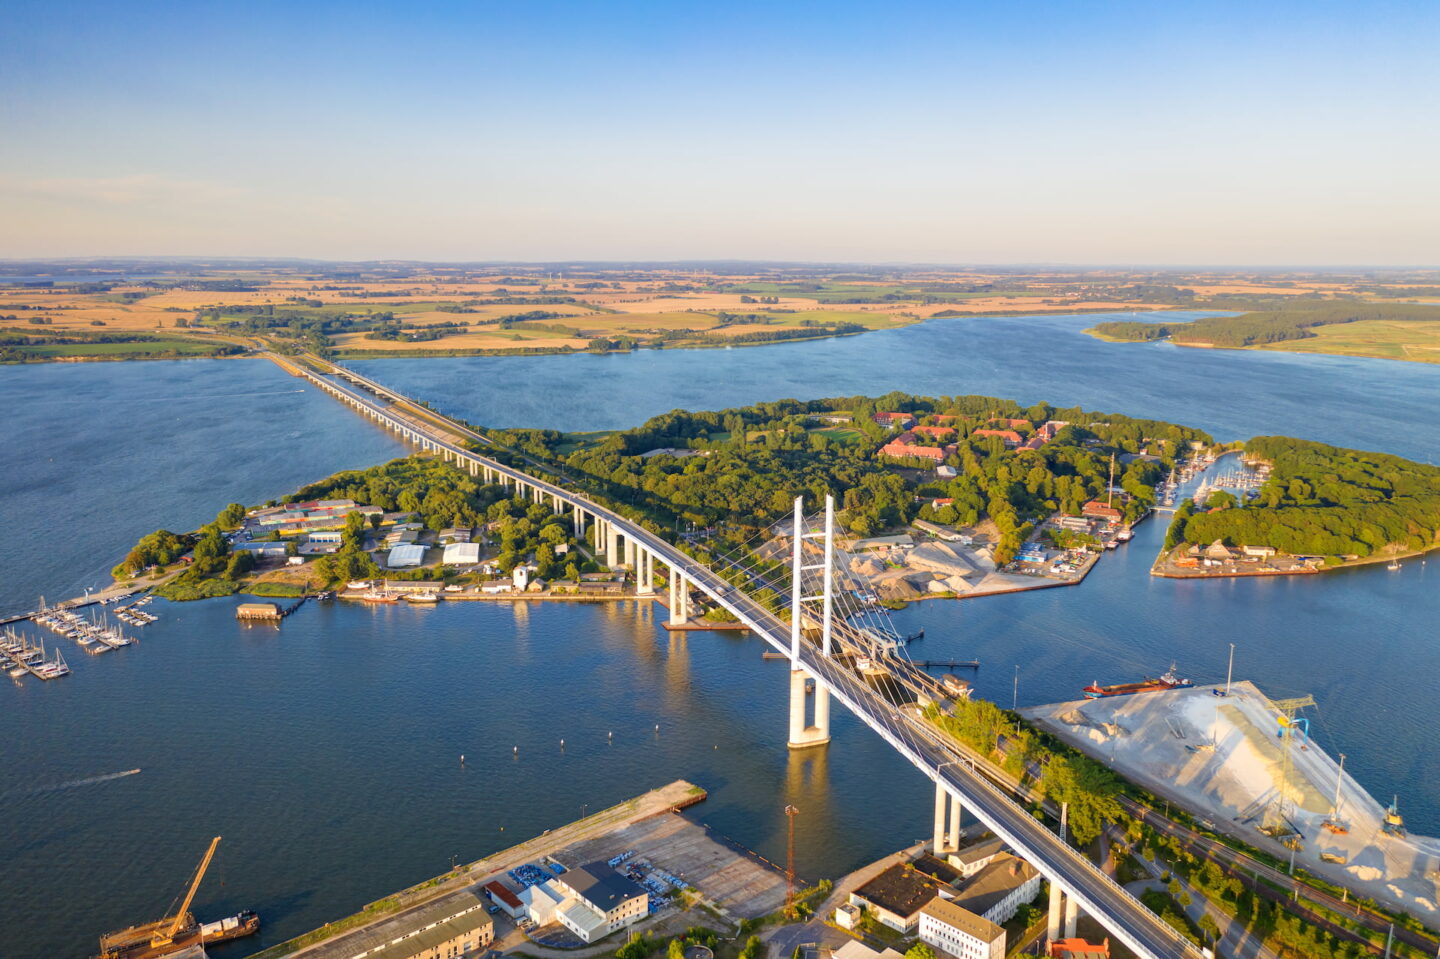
{"type": "Point", "coordinates": [1418, 341]}
{"type": "Point", "coordinates": [576, 307]}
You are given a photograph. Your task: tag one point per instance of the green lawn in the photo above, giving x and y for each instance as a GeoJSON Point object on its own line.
{"type": "Point", "coordinates": [841, 434]}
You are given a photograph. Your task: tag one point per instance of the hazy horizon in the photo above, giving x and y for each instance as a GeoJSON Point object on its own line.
{"type": "Point", "coordinates": [1064, 135]}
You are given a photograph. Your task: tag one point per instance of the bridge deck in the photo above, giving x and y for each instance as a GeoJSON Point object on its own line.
{"type": "Point", "coordinates": [926, 748]}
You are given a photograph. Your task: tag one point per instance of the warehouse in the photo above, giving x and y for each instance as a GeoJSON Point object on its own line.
{"type": "Point", "coordinates": [462, 554]}
{"type": "Point", "coordinates": [412, 554]}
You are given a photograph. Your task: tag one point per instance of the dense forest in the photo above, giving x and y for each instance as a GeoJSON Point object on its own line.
{"type": "Point", "coordinates": [753, 460]}
{"type": "Point", "coordinates": [1272, 326]}
{"type": "Point", "coordinates": [1327, 501]}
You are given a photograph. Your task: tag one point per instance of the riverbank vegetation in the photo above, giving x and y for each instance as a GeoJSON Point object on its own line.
{"type": "Point", "coordinates": [18, 347]}
{"type": "Point", "coordinates": [1325, 501]}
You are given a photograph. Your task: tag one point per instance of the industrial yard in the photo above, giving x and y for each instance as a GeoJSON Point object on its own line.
{"type": "Point", "coordinates": [673, 861]}
{"type": "Point", "coordinates": [1222, 758]}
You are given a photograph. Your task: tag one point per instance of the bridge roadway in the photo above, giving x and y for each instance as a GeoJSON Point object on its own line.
{"type": "Point", "coordinates": [926, 748]}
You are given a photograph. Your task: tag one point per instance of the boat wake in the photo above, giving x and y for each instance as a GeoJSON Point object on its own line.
{"type": "Point", "coordinates": [68, 785]}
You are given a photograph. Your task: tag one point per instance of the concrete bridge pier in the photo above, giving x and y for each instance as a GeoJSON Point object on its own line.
{"type": "Point", "coordinates": [947, 822]}
{"type": "Point", "coordinates": [612, 545]}
{"type": "Point", "coordinates": [631, 560]}
{"type": "Point", "coordinates": [645, 574]}
{"type": "Point", "coordinates": [679, 599]}
{"type": "Point", "coordinates": [1072, 916]}
{"type": "Point", "coordinates": [803, 735]}
{"type": "Point", "coordinates": [1052, 926]}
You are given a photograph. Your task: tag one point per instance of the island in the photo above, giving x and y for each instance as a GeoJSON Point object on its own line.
{"type": "Point", "coordinates": [1396, 331]}
{"type": "Point", "coordinates": [1305, 507]}
{"type": "Point", "coordinates": [948, 497]}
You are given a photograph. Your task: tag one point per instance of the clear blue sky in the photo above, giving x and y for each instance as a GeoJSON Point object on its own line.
{"type": "Point", "coordinates": [1095, 132]}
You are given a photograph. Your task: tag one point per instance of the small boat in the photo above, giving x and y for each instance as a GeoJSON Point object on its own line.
{"type": "Point", "coordinates": [1148, 685]}
{"type": "Point", "coordinates": [379, 596]}
{"type": "Point", "coordinates": [1393, 565]}
{"type": "Point", "coordinates": [425, 597]}
{"type": "Point", "coordinates": [17, 671]}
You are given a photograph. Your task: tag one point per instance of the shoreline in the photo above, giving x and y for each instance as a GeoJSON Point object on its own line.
{"type": "Point", "coordinates": [1311, 571]}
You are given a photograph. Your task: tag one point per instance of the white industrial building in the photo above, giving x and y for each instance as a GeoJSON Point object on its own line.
{"type": "Point", "coordinates": [461, 554]}
{"type": "Point", "coordinates": [411, 554]}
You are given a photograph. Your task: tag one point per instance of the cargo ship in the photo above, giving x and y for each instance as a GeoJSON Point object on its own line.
{"type": "Point", "coordinates": [1168, 681]}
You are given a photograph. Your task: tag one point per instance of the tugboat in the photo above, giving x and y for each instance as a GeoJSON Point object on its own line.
{"type": "Point", "coordinates": [1148, 685]}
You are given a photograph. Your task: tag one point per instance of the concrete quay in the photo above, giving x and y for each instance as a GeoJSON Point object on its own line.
{"type": "Point", "coordinates": [731, 881]}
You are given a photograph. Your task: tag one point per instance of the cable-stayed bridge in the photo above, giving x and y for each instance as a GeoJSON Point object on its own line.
{"type": "Point", "coordinates": [823, 641]}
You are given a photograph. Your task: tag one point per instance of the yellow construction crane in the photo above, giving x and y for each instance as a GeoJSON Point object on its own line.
{"type": "Point", "coordinates": [172, 927]}
{"type": "Point", "coordinates": [1277, 820]}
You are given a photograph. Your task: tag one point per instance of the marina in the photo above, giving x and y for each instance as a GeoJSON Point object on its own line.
{"type": "Point", "coordinates": [23, 658]}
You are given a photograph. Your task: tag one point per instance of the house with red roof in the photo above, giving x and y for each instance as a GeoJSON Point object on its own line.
{"type": "Point", "coordinates": [1099, 510]}
{"type": "Point", "coordinates": [1012, 424]}
{"type": "Point", "coordinates": [898, 449]}
{"type": "Point", "coordinates": [937, 432]}
{"type": "Point", "coordinates": [1010, 437]}
{"type": "Point", "coordinates": [1049, 428]}
{"type": "Point", "coordinates": [894, 420]}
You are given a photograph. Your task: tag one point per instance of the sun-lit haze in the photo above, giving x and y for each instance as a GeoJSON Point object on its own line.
{"type": "Point", "coordinates": [1235, 133]}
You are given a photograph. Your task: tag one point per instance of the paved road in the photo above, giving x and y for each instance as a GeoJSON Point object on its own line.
{"type": "Point", "coordinates": [1099, 895]}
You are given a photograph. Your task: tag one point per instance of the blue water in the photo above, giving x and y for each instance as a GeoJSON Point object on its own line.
{"type": "Point", "coordinates": [326, 751]}
{"type": "Point", "coordinates": [100, 454]}
{"type": "Point", "coordinates": [1235, 394]}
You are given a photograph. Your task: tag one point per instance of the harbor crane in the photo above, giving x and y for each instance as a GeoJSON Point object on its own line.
{"type": "Point", "coordinates": [1277, 819]}
{"type": "Point", "coordinates": [166, 935]}
{"type": "Point", "coordinates": [177, 931]}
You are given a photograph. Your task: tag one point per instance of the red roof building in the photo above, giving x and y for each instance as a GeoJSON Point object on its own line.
{"type": "Point", "coordinates": [1100, 510]}
{"type": "Point", "coordinates": [939, 432]}
{"type": "Point", "coordinates": [1013, 424]}
{"type": "Point", "coordinates": [892, 420]}
{"type": "Point", "coordinates": [1049, 428]}
{"type": "Point", "coordinates": [1079, 949]}
{"type": "Point", "coordinates": [907, 449]}
{"type": "Point", "coordinates": [1011, 438]}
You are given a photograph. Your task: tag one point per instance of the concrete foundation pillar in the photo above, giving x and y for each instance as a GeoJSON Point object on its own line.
{"type": "Point", "coordinates": [947, 822]}
{"type": "Point", "coordinates": [1052, 926]}
{"type": "Point", "coordinates": [942, 800]}
{"type": "Point", "coordinates": [1072, 916]}
{"type": "Point", "coordinates": [802, 735]}
{"type": "Point", "coordinates": [679, 615]}
{"type": "Point", "coordinates": [630, 558]}
{"type": "Point", "coordinates": [612, 545]}
{"type": "Point", "coordinates": [645, 574]}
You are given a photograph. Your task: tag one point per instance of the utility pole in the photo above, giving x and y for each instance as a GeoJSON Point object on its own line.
{"type": "Point", "coordinates": [790, 813]}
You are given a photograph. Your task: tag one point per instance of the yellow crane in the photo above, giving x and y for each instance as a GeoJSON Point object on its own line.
{"type": "Point", "coordinates": [153, 939]}
{"type": "Point", "coordinates": [170, 928]}
{"type": "Point", "coordinates": [1277, 816]}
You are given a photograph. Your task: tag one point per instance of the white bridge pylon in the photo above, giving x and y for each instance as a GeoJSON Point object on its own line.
{"type": "Point", "coordinates": [804, 735]}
